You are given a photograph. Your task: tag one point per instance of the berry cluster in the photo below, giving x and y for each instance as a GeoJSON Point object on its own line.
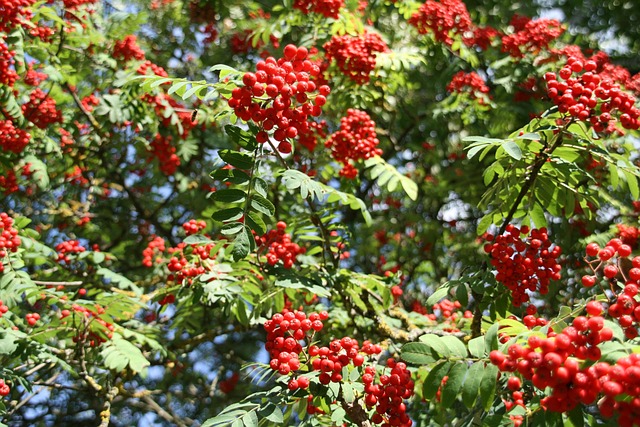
{"type": "Point", "coordinates": [162, 149]}
{"type": "Point", "coordinates": [355, 55]}
{"type": "Point", "coordinates": [554, 361]}
{"type": "Point", "coordinates": [3, 307]}
{"type": "Point", "coordinates": [280, 246]}
{"type": "Point", "coordinates": [591, 97]}
{"type": "Point", "coordinates": [155, 246]}
{"type": "Point", "coordinates": [8, 75]}
{"type": "Point", "coordinates": [620, 386]}
{"type": "Point", "coordinates": [388, 396]}
{"type": "Point", "coordinates": [9, 182]}
{"type": "Point", "coordinates": [470, 83]}
{"type": "Point", "coordinates": [226, 386]}
{"type": "Point", "coordinates": [128, 49]}
{"type": "Point", "coordinates": [4, 388]}
{"type": "Point", "coordinates": [624, 307]}
{"type": "Point", "coordinates": [74, 4]}
{"type": "Point", "coordinates": [530, 35]}
{"type": "Point", "coordinates": [163, 103]}
{"type": "Point", "coordinates": [96, 330]}
{"type": "Point", "coordinates": [9, 239]}
{"type": "Point", "coordinates": [32, 318]}
{"type": "Point", "coordinates": [41, 109]}
{"type": "Point", "coordinates": [628, 234]}
{"type": "Point", "coordinates": [68, 247]}
{"type": "Point", "coordinates": [11, 138]}
{"type": "Point", "coordinates": [327, 8]}
{"type": "Point", "coordinates": [284, 331]}
{"type": "Point", "coordinates": [34, 77]}
{"type": "Point", "coordinates": [444, 19]}
{"type": "Point", "coordinates": [316, 131]}
{"type": "Point", "coordinates": [445, 312]}
{"type": "Point", "coordinates": [194, 226]}
{"type": "Point", "coordinates": [356, 139]}
{"type": "Point", "coordinates": [14, 13]}
{"type": "Point", "coordinates": [280, 96]}
{"type": "Point", "coordinates": [523, 265]}
{"type": "Point", "coordinates": [155, 69]}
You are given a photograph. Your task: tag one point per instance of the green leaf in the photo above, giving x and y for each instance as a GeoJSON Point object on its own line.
{"type": "Point", "coordinates": [237, 159]}
{"type": "Point", "coordinates": [454, 383]}
{"type": "Point", "coordinates": [262, 205]}
{"type": "Point", "coordinates": [491, 337]}
{"type": "Point", "coordinates": [119, 354]}
{"type": "Point", "coordinates": [436, 344]}
{"type": "Point", "coordinates": [417, 353]}
{"type": "Point", "coordinates": [485, 223]}
{"type": "Point", "coordinates": [230, 214]}
{"type": "Point", "coordinates": [512, 149]}
{"type": "Point", "coordinates": [272, 413]}
{"type": "Point", "coordinates": [229, 195]}
{"type": "Point", "coordinates": [434, 379]}
{"type": "Point", "coordinates": [632, 182]}
{"type": "Point", "coordinates": [388, 174]}
{"type": "Point", "coordinates": [39, 171]}
{"type": "Point", "coordinates": [439, 294]}
{"type": "Point", "coordinates": [477, 347]}
{"type": "Point", "coordinates": [471, 385]}
{"type": "Point", "coordinates": [243, 244]}
{"type": "Point", "coordinates": [197, 239]}
{"type": "Point", "coordinates": [256, 223]}
{"type": "Point", "coordinates": [232, 228]}
{"type": "Point", "coordinates": [119, 279]}
{"type": "Point", "coordinates": [234, 176]}
{"type": "Point", "coordinates": [456, 346]}
{"type": "Point", "coordinates": [537, 215]}
{"type": "Point", "coordinates": [488, 386]}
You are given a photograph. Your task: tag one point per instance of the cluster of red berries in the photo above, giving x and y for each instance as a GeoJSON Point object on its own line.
{"type": "Point", "coordinates": [340, 352]}
{"type": "Point", "coordinates": [96, 330]}
{"type": "Point", "coordinates": [355, 140]}
{"type": "Point", "coordinates": [194, 226]}
{"type": "Point", "coordinates": [625, 308]}
{"type": "Point", "coordinates": [4, 388]}
{"type": "Point", "coordinates": [280, 96]}
{"type": "Point", "coordinates": [316, 131]}
{"type": "Point", "coordinates": [530, 35]}
{"type": "Point", "coordinates": [32, 318]}
{"type": "Point", "coordinates": [280, 246]}
{"type": "Point", "coordinates": [628, 234]}
{"type": "Point", "coordinates": [11, 138]}
{"type": "Point", "coordinates": [445, 312]}
{"type": "Point", "coordinates": [41, 109]}
{"type": "Point", "coordinates": [14, 13]}
{"type": "Point", "coordinates": [68, 247]}
{"type": "Point", "coordinates": [554, 361]}
{"type": "Point", "coordinates": [530, 320]}
{"type": "Point", "coordinates": [9, 239]}
{"type": "Point", "coordinates": [128, 49]}
{"type": "Point", "coordinates": [590, 97]}
{"type": "Point", "coordinates": [3, 307]}
{"type": "Point", "coordinates": [155, 69]}
{"type": "Point", "coordinates": [284, 331]}
{"type": "Point", "coordinates": [327, 8]}
{"type": "Point", "coordinates": [228, 385]}
{"type": "Point", "coordinates": [74, 4]}
{"type": "Point", "coordinates": [523, 265]}
{"type": "Point", "coordinates": [388, 396]}
{"type": "Point", "coordinates": [620, 387]}
{"type": "Point", "coordinates": [8, 75]}
{"type": "Point", "coordinates": [470, 83]}
{"type": "Point", "coordinates": [162, 149]}
{"type": "Point", "coordinates": [154, 248]}
{"type": "Point", "coordinates": [9, 182]}
{"type": "Point", "coordinates": [34, 77]}
{"type": "Point", "coordinates": [443, 19]}
{"type": "Point", "coordinates": [355, 55]}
